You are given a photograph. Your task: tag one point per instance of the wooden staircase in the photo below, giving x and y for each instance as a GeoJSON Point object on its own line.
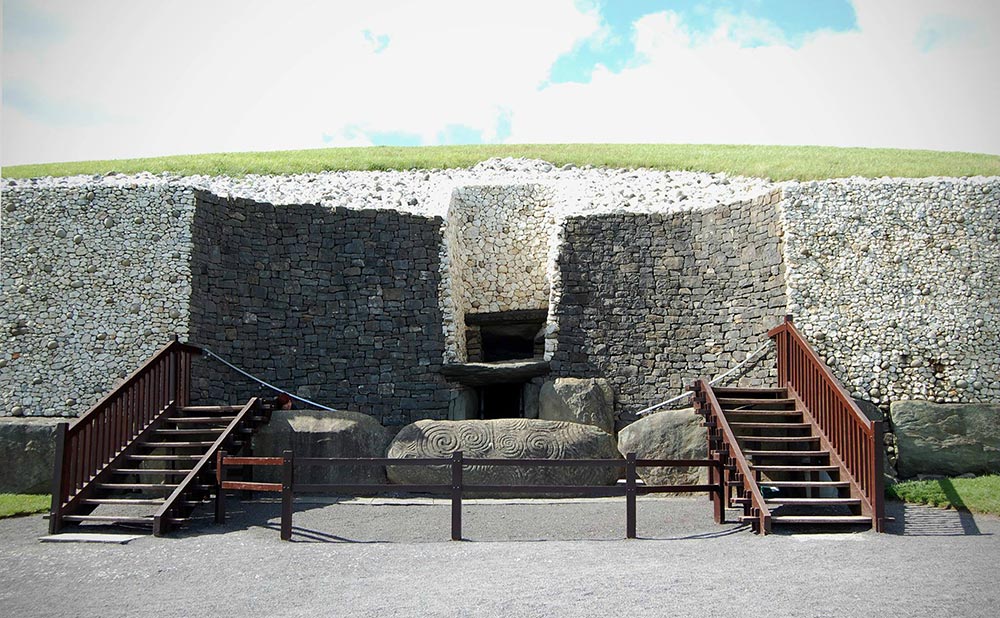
{"type": "Point", "coordinates": [143, 457]}
{"type": "Point", "coordinates": [791, 463]}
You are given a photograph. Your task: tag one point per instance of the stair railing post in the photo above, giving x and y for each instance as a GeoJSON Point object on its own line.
{"type": "Point", "coordinates": [59, 480]}
{"type": "Point", "coordinates": [457, 464]}
{"type": "Point", "coordinates": [718, 495]}
{"type": "Point", "coordinates": [877, 488]}
{"type": "Point", "coordinates": [630, 492]}
{"type": "Point", "coordinates": [220, 497]}
{"type": "Point", "coordinates": [287, 493]}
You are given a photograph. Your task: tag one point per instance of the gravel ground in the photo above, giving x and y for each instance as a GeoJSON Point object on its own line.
{"type": "Point", "coordinates": [523, 558]}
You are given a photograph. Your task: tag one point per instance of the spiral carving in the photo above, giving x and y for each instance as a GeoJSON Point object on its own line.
{"type": "Point", "coordinates": [505, 439]}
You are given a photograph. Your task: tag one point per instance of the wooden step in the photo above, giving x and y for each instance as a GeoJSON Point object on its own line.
{"type": "Point", "coordinates": [770, 425]}
{"type": "Point", "coordinates": [815, 501]}
{"type": "Point", "coordinates": [126, 501]}
{"type": "Point", "coordinates": [168, 444]}
{"type": "Point", "coordinates": [189, 432]}
{"type": "Point", "coordinates": [795, 468]}
{"type": "Point", "coordinates": [165, 457]}
{"type": "Point", "coordinates": [722, 391]}
{"type": "Point", "coordinates": [821, 519]}
{"type": "Point", "coordinates": [110, 519]}
{"type": "Point", "coordinates": [763, 413]}
{"type": "Point", "coordinates": [119, 519]}
{"type": "Point", "coordinates": [217, 409]}
{"type": "Point", "coordinates": [805, 483]}
{"type": "Point", "coordinates": [169, 487]}
{"type": "Point", "coordinates": [777, 454]}
{"type": "Point", "coordinates": [152, 471]}
{"type": "Point", "coordinates": [733, 401]}
{"type": "Point", "coordinates": [779, 438]}
{"type": "Point", "coordinates": [205, 420]}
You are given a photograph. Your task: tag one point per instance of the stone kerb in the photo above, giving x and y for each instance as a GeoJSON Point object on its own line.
{"type": "Point", "coordinates": [96, 278]}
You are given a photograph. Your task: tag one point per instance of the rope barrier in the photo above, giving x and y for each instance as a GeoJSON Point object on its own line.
{"type": "Point", "coordinates": [712, 382]}
{"type": "Point", "coordinates": [263, 383]}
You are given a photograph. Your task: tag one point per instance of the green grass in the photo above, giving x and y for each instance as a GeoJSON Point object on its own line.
{"type": "Point", "coordinates": [979, 495]}
{"type": "Point", "coordinates": [12, 505]}
{"type": "Point", "coordinates": [775, 162]}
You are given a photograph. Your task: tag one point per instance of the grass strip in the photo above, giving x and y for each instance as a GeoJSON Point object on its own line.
{"type": "Point", "coordinates": [13, 505]}
{"type": "Point", "coordinates": [774, 162]}
{"type": "Point", "coordinates": [978, 495]}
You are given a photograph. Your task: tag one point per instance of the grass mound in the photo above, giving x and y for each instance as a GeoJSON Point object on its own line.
{"type": "Point", "coordinates": [775, 162]}
{"type": "Point", "coordinates": [12, 505]}
{"type": "Point", "coordinates": [979, 495]}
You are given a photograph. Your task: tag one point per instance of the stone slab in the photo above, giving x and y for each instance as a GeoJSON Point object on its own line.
{"type": "Point", "coordinates": [27, 453]}
{"type": "Point", "coordinates": [946, 439]}
{"type": "Point", "coordinates": [90, 537]}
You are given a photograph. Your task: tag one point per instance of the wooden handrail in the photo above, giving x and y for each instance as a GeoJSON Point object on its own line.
{"type": "Point", "coordinates": [856, 440]}
{"type": "Point", "coordinates": [101, 435]}
{"type": "Point", "coordinates": [715, 412]}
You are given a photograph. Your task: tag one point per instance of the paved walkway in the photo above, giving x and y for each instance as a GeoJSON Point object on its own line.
{"type": "Point", "coordinates": [523, 558]}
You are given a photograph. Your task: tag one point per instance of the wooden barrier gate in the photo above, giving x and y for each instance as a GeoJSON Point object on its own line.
{"type": "Point", "coordinates": [457, 487]}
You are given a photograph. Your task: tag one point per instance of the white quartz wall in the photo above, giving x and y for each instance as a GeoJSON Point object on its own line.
{"type": "Point", "coordinates": [496, 254]}
{"type": "Point", "coordinates": [897, 284]}
{"type": "Point", "coordinates": [95, 278]}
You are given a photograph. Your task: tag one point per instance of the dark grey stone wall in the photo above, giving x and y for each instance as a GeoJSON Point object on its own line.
{"type": "Point", "coordinates": [652, 301]}
{"type": "Point", "coordinates": [339, 306]}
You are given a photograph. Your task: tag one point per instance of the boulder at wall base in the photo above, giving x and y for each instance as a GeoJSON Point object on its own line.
{"type": "Point", "coordinates": [590, 401]}
{"type": "Point", "coordinates": [947, 439]}
{"type": "Point", "coordinates": [27, 454]}
{"type": "Point", "coordinates": [672, 434]}
{"type": "Point", "coordinates": [319, 433]}
{"type": "Point", "coordinates": [506, 438]}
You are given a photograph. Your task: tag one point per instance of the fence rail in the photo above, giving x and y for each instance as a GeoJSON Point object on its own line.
{"type": "Point", "coordinates": [854, 440]}
{"type": "Point", "coordinates": [457, 488]}
{"type": "Point", "coordinates": [86, 449]}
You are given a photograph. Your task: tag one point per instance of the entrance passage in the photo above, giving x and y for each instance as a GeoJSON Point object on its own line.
{"type": "Point", "coordinates": [505, 335]}
{"type": "Point", "coordinates": [501, 401]}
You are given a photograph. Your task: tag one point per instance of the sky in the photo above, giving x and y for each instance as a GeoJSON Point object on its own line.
{"type": "Point", "coordinates": [101, 79]}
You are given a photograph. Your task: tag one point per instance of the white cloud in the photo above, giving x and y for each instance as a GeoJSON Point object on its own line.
{"type": "Point", "coordinates": [191, 76]}
{"type": "Point", "coordinates": [877, 87]}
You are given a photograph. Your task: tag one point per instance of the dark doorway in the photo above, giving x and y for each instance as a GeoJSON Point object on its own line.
{"type": "Point", "coordinates": [505, 335]}
{"type": "Point", "coordinates": [508, 341]}
{"type": "Point", "coordinates": [501, 401]}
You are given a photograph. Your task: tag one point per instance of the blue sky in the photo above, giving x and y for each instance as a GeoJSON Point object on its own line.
{"type": "Point", "coordinates": [110, 78]}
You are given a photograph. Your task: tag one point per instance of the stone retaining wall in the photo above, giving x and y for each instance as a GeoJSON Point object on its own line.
{"type": "Point", "coordinates": [495, 254]}
{"type": "Point", "coordinates": [896, 282]}
{"type": "Point", "coordinates": [94, 280]}
{"type": "Point", "coordinates": [339, 306]}
{"type": "Point", "coordinates": [651, 301]}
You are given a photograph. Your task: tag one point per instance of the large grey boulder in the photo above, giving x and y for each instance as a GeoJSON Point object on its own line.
{"type": "Point", "coordinates": [948, 439]}
{"type": "Point", "coordinates": [507, 438]}
{"type": "Point", "coordinates": [672, 434]}
{"type": "Point", "coordinates": [590, 401]}
{"type": "Point", "coordinates": [319, 433]}
{"type": "Point", "coordinates": [27, 454]}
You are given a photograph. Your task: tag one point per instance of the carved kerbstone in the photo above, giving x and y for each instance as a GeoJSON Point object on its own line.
{"type": "Point", "coordinates": [508, 438]}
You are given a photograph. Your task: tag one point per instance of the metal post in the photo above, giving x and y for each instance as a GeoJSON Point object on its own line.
{"type": "Point", "coordinates": [630, 482]}
{"type": "Point", "coordinates": [456, 496]}
{"type": "Point", "coordinates": [287, 481]}
{"type": "Point", "coordinates": [59, 479]}
{"type": "Point", "coordinates": [220, 497]}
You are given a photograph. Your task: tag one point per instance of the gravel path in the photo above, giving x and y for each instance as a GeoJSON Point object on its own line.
{"type": "Point", "coordinates": [523, 558]}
